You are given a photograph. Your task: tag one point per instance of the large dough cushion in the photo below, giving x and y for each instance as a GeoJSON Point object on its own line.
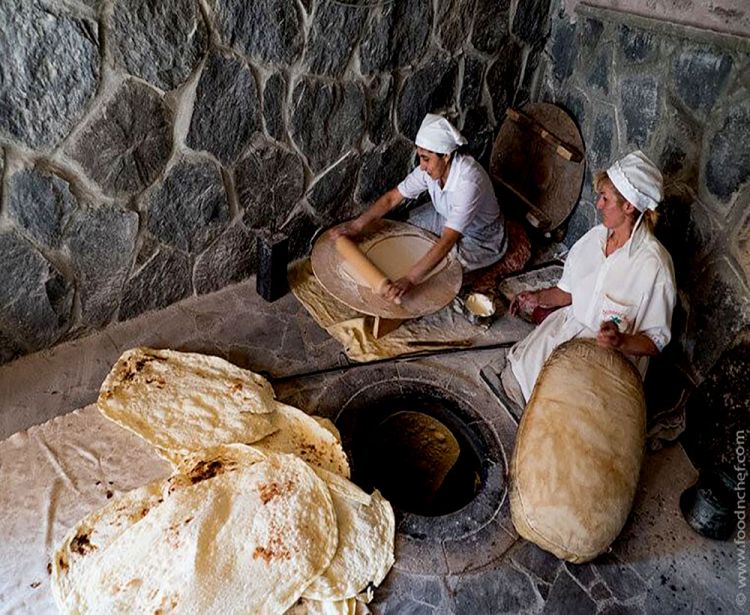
{"type": "Point", "coordinates": [578, 452]}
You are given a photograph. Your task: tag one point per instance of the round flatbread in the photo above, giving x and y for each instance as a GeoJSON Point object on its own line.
{"type": "Point", "coordinates": [366, 529]}
{"type": "Point", "coordinates": [181, 402]}
{"type": "Point", "coordinates": [305, 436]}
{"type": "Point", "coordinates": [226, 538]}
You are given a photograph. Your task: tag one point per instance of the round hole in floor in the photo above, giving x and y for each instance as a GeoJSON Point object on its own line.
{"type": "Point", "coordinates": [414, 446]}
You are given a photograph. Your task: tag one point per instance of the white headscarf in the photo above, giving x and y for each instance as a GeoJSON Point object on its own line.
{"type": "Point", "coordinates": [638, 180]}
{"type": "Point", "coordinates": [438, 135]}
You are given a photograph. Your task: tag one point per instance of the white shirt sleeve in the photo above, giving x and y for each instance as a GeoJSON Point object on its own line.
{"type": "Point", "coordinates": [656, 317]}
{"type": "Point", "coordinates": [414, 184]}
{"type": "Point", "coordinates": [565, 283]}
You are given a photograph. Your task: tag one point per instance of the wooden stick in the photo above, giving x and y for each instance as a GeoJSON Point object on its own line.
{"type": "Point", "coordinates": [563, 150]}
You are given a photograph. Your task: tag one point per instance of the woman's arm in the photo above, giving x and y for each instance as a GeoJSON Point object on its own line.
{"type": "Point", "coordinates": [546, 298]}
{"type": "Point", "coordinates": [424, 265]}
{"type": "Point", "coordinates": [377, 210]}
{"type": "Point", "coordinates": [637, 345]}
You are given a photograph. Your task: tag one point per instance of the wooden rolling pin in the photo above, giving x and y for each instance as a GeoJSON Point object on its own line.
{"type": "Point", "coordinates": [376, 279]}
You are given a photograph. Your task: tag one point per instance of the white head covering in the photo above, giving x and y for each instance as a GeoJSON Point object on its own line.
{"type": "Point", "coordinates": [638, 180]}
{"type": "Point", "coordinates": [438, 135]}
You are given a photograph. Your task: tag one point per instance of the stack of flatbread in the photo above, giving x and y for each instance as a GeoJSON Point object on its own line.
{"type": "Point", "coordinates": [259, 516]}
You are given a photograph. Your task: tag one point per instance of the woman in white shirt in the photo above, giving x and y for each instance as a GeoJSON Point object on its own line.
{"type": "Point", "coordinates": [463, 212]}
{"type": "Point", "coordinates": [617, 285]}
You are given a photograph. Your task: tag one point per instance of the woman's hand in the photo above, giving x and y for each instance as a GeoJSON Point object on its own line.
{"type": "Point", "coordinates": [395, 290]}
{"type": "Point", "coordinates": [350, 229]}
{"type": "Point", "coordinates": [524, 302]}
{"type": "Point", "coordinates": [609, 335]}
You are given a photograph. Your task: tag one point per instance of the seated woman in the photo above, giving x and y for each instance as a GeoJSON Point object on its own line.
{"type": "Point", "coordinates": [464, 211]}
{"type": "Point", "coordinates": [617, 285]}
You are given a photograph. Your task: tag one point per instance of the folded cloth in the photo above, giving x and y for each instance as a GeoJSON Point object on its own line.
{"type": "Point", "coordinates": [350, 327]}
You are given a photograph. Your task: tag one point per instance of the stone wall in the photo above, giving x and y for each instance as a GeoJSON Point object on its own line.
{"type": "Point", "coordinates": [683, 96]}
{"type": "Point", "coordinates": [143, 144]}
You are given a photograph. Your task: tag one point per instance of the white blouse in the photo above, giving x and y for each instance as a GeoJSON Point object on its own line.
{"type": "Point", "coordinates": [634, 287]}
{"type": "Point", "coordinates": [467, 201]}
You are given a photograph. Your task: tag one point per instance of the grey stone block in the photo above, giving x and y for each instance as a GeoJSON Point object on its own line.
{"type": "Point", "coordinates": [380, 100]}
{"type": "Point", "coordinates": [700, 74]}
{"type": "Point", "coordinates": [383, 168]}
{"type": "Point", "coordinates": [35, 297]}
{"type": "Point", "coordinates": [490, 25]}
{"type": "Point", "coordinates": [687, 230]}
{"type": "Point", "coordinates": [620, 578]}
{"type": "Point", "coordinates": [540, 563]}
{"type": "Point", "coordinates": [598, 75]}
{"type": "Point", "coordinates": [640, 104]}
{"type": "Point", "coordinates": [101, 242]}
{"type": "Point", "coordinates": [403, 593]}
{"type": "Point", "coordinates": [227, 110]}
{"type": "Point", "coordinates": [336, 29]}
{"type": "Point", "coordinates": [41, 100]}
{"type": "Point", "coordinates": [591, 33]}
{"type": "Point", "coordinates": [720, 305]}
{"type": "Point", "coordinates": [473, 81]}
{"type": "Point", "coordinates": [230, 259]}
{"type": "Point", "coordinates": [503, 75]}
{"type": "Point", "coordinates": [530, 23]}
{"type": "Point", "coordinates": [267, 30]}
{"type": "Point", "coordinates": [161, 43]}
{"type": "Point", "coordinates": [563, 48]}
{"type": "Point", "coordinates": [479, 132]}
{"type": "Point", "coordinates": [126, 143]}
{"type": "Point", "coordinates": [269, 181]}
{"type": "Point", "coordinates": [500, 590]}
{"type": "Point", "coordinates": [10, 348]}
{"type": "Point", "coordinates": [300, 230]}
{"type": "Point", "coordinates": [621, 609]}
{"type": "Point", "coordinates": [40, 204]}
{"type": "Point", "coordinates": [602, 134]}
{"type": "Point", "coordinates": [164, 279]}
{"type": "Point", "coordinates": [397, 36]}
{"type": "Point", "coordinates": [636, 46]}
{"type": "Point", "coordinates": [331, 196]}
{"type": "Point", "coordinates": [599, 592]}
{"type": "Point", "coordinates": [189, 208]}
{"type": "Point", "coordinates": [727, 159]}
{"type": "Point", "coordinates": [454, 19]}
{"type": "Point", "coordinates": [343, 107]}
{"type": "Point", "coordinates": [426, 90]}
{"type": "Point", "coordinates": [274, 103]}
{"type": "Point", "coordinates": [741, 236]}
{"type": "Point", "coordinates": [567, 597]}
{"type": "Point", "coordinates": [719, 408]}
{"type": "Point", "coordinates": [583, 573]}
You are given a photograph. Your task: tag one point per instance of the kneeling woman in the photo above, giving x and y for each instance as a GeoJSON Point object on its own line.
{"type": "Point", "coordinates": [464, 211]}
{"type": "Point", "coordinates": [617, 285]}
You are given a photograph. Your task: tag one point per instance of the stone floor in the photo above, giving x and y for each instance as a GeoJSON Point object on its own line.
{"type": "Point", "coordinates": [657, 565]}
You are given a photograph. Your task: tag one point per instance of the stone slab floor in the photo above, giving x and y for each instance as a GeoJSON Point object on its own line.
{"type": "Point", "coordinates": [658, 565]}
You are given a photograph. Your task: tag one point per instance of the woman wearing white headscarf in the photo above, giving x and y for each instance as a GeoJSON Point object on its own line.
{"type": "Point", "coordinates": [617, 285]}
{"type": "Point", "coordinates": [464, 211]}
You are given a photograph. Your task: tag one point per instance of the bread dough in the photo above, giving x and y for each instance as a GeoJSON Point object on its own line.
{"type": "Point", "coordinates": [394, 256]}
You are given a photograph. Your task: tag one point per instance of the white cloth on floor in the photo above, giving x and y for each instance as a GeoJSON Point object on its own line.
{"type": "Point", "coordinates": [634, 287]}
{"type": "Point", "coordinates": [466, 204]}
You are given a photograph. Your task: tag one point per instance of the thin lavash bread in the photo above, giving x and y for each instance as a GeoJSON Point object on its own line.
{"type": "Point", "coordinates": [183, 402]}
{"type": "Point", "coordinates": [242, 531]}
{"type": "Point", "coordinates": [578, 451]}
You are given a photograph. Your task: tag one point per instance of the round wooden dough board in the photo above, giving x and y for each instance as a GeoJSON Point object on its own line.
{"type": "Point", "coordinates": [529, 164]}
{"type": "Point", "coordinates": [433, 294]}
